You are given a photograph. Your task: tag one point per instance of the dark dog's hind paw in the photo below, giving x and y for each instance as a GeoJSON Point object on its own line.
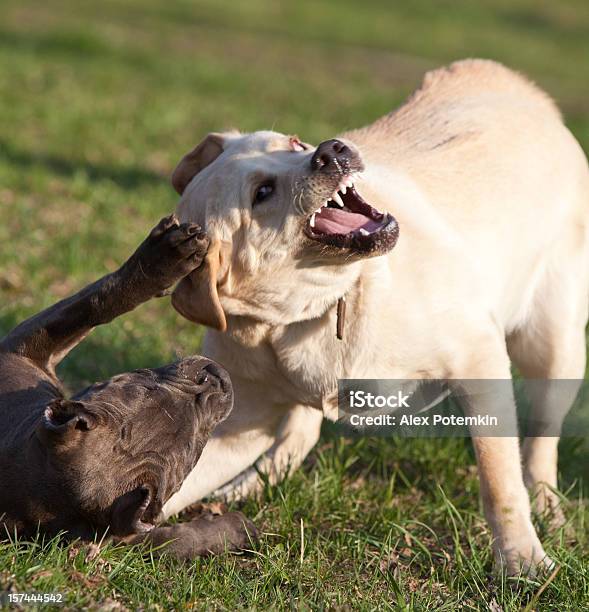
{"type": "Point", "coordinates": [231, 531]}
{"type": "Point", "coordinates": [207, 535]}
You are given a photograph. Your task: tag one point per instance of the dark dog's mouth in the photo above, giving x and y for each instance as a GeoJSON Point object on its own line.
{"type": "Point", "coordinates": [347, 221]}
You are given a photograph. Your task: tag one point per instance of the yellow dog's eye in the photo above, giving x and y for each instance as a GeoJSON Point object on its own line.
{"type": "Point", "coordinates": [263, 193]}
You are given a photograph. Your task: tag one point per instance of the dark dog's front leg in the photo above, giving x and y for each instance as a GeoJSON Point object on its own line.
{"type": "Point", "coordinates": [170, 252]}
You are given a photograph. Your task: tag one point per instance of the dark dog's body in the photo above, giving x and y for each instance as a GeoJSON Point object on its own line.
{"type": "Point", "coordinates": [109, 458]}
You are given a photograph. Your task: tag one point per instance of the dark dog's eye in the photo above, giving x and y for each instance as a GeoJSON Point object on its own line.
{"type": "Point", "coordinates": [263, 193]}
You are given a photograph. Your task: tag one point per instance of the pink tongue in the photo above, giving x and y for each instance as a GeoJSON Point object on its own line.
{"type": "Point", "coordinates": [336, 221]}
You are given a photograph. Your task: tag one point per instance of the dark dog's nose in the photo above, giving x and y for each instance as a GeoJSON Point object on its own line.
{"type": "Point", "coordinates": [330, 156]}
{"type": "Point", "coordinates": [209, 373]}
{"type": "Point", "coordinates": [221, 376]}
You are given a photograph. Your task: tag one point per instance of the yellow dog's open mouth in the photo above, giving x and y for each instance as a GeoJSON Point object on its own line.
{"type": "Point", "coordinates": [347, 221]}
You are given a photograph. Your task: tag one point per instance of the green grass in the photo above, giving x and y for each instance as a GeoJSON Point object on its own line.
{"type": "Point", "coordinates": [97, 103]}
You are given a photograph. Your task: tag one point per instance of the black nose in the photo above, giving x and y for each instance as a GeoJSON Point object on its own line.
{"type": "Point", "coordinates": [201, 369]}
{"type": "Point", "coordinates": [221, 377]}
{"type": "Point", "coordinates": [219, 382]}
{"type": "Point", "coordinates": [331, 156]}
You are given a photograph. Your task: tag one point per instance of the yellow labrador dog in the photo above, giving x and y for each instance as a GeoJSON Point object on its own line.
{"type": "Point", "coordinates": [488, 195]}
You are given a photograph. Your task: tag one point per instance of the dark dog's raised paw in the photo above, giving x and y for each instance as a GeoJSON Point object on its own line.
{"type": "Point", "coordinates": [165, 224]}
{"type": "Point", "coordinates": [189, 241]}
{"type": "Point", "coordinates": [170, 252]}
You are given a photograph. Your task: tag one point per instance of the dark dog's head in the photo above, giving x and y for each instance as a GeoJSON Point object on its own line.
{"type": "Point", "coordinates": [119, 449]}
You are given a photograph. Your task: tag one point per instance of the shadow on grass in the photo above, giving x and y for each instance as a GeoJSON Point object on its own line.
{"type": "Point", "coordinates": [129, 177]}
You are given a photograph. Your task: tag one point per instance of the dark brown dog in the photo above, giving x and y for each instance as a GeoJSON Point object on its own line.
{"type": "Point", "coordinates": [107, 459]}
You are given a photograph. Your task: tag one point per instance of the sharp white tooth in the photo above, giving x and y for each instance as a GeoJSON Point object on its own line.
{"type": "Point", "coordinates": [348, 181]}
{"type": "Point", "coordinates": [325, 204]}
{"type": "Point", "coordinates": [363, 232]}
{"type": "Point", "coordinates": [318, 211]}
{"type": "Point", "coordinates": [336, 198]}
{"type": "Point", "coordinates": [312, 221]}
{"type": "Point", "coordinates": [343, 188]}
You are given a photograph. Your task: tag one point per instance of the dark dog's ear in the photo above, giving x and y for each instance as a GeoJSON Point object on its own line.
{"type": "Point", "coordinates": [196, 296]}
{"type": "Point", "coordinates": [200, 157]}
{"type": "Point", "coordinates": [128, 512]}
{"type": "Point", "coordinates": [65, 416]}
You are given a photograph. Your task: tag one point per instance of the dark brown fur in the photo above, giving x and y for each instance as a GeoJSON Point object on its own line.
{"type": "Point", "coordinates": [108, 458]}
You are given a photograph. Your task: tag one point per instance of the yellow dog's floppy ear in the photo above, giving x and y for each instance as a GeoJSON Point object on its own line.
{"type": "Point", "coordinates": [200, 157]}
{"type": "Point", "coordinates": [196, 296]}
